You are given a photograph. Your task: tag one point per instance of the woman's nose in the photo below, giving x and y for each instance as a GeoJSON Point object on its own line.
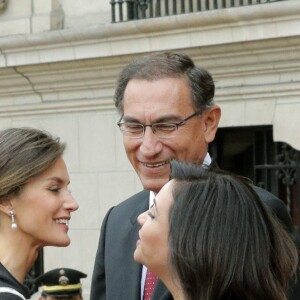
{"type": "Point", "coordinates": [70, 203]}
{"type": "Point", "coordinates": [142, 218]}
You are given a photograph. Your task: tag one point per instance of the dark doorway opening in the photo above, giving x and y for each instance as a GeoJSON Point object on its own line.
{"type": "Point", "coordinates": [251, 152]}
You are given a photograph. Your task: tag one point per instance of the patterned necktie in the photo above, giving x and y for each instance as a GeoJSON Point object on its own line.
{"type": "Point", "coordinates": [150, 282]}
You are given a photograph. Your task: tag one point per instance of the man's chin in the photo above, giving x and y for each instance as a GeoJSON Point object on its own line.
{"type": "Point", "coordinates": [152, 185]}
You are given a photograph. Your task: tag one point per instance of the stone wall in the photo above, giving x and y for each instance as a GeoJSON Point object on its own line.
{"type": "Point", "coordinates": [59, 61]}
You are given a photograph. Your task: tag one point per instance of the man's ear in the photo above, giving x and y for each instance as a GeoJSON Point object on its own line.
{"type": "Point", "coordinates": [211, 122]}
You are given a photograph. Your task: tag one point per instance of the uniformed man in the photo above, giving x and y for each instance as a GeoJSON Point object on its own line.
{"type": "Point", "coordinates": [61, 284]}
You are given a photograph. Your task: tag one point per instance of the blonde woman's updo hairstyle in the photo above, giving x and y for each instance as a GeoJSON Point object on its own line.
{"type": "Point", "coordinates": [24, 154]}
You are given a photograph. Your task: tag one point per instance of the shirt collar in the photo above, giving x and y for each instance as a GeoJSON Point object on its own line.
{"type": "Point", "coordinates": [207, 161]}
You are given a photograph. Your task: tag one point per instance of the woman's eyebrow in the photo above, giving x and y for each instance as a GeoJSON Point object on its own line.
{"type": "Point", "coordinates": [57, 179]}
{"type": "Point", "coordinates": [155, 205]}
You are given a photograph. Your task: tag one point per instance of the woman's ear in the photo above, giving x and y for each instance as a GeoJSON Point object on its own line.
{"type": "Point", "coordinates": [211, 122]}
{"type": "Point", "coordinates": [6, 207]}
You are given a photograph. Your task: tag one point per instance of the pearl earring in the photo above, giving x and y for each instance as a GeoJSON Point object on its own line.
{"type": "Point", "coordinates": [13, 223]}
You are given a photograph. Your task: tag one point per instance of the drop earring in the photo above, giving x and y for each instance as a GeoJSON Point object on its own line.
{"type": "Point", "coordinates": [13, 223]}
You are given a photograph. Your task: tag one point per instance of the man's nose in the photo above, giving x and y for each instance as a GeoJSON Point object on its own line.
{"type": "Point", "coordinates": [151, 144]}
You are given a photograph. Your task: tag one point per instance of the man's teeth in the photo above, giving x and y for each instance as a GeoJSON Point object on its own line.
{"type": "Point", "coordinates": [155, 165]}
{"type": "Point", "coordinates": [62, 221]}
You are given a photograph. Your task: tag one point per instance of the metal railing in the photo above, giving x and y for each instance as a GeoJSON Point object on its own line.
{"type": "Point", "coordinates": [128, 10]}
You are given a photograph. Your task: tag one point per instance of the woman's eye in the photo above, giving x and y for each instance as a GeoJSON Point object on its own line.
{"type": "Point", "coordinates": [54, 189]}
{"type": "Point", "coordinates": [150, 215]}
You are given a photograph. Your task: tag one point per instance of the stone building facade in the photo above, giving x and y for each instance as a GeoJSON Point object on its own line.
{"type": "Point", "coordinates": [59, 60]}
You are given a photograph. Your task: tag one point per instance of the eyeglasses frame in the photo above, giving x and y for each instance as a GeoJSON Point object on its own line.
{"type": "Point", "coordinates": [177, 124]}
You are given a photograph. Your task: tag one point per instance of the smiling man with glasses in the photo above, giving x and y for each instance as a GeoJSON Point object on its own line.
{"type": "Point", "coordinates": [166, 101]}
{"type": "Point", "coordinates": [167, 110]}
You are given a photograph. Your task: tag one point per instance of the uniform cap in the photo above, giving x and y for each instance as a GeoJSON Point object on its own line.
{"type": "Point", "coordinates": [61, 282]}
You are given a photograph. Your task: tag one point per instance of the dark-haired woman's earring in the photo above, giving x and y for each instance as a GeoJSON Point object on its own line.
{"type": "Point", "coordinates": [13, 223]}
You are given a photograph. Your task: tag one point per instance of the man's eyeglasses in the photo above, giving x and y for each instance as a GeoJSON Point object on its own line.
{"type": "Point", "coordinates": [162, 130]}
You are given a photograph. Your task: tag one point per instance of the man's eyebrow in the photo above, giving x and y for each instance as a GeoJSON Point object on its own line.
{"type": "Point", "coordinates": [130, 119]}
{"type": "Point", "coordinates": [161, 119]}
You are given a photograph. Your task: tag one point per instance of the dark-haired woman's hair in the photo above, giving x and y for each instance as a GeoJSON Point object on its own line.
{"type": "Point", "coordinates": [24, 154]}
{"type": "Point", "coordinates": [224, 242]}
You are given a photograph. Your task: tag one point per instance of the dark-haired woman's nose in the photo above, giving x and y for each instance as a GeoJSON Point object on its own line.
{"type": "Point", "coordinates": [142, 218]}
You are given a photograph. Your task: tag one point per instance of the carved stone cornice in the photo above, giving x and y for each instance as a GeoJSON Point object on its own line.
{"type": "Point", "coordinates": [206, 29]}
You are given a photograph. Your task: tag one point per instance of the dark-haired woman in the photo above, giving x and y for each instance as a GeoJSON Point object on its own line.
{"type": "Point", "coordinates": [209, 237]}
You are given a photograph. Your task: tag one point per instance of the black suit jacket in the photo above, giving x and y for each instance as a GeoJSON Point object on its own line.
{"type": "Point", "coordinates": [116, 275]}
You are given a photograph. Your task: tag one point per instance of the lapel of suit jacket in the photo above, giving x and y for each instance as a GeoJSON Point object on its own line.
{"type": "Point", "coordinates": [132, 269]}
{"type": "Point", "coordinates": [141, 207]}
{"type": "Point", "coordinates": [160, 292]}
